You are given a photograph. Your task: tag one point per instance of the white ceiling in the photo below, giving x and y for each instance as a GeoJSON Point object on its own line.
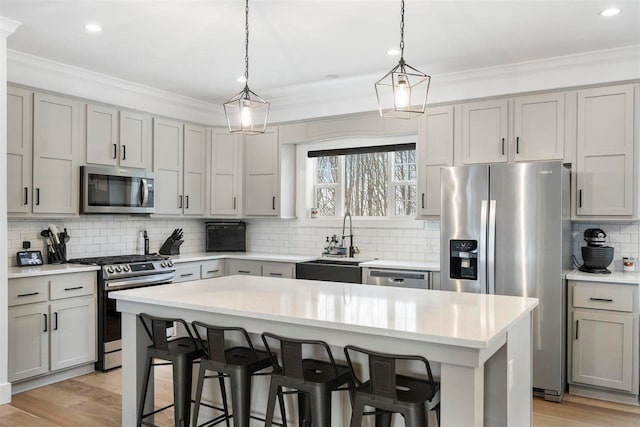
{"type": "Point", "coordinates": [195, 48]}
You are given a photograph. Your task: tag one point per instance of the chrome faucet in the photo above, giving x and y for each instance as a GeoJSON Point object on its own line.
{"type": "Point", "coordinates": [350, 235]}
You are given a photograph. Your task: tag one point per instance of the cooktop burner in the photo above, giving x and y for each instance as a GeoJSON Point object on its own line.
{"type": "Point", "coordinates": [117, 259]}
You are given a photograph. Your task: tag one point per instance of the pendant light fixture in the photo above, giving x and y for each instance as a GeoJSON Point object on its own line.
{"type": "Point", "coordinates": [246, 112]}
{"type": "Point", "coordinates": [402, 92]}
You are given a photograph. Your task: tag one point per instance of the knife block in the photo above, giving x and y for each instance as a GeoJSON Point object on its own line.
{"type": "Point", "coordinates": [170, 247]}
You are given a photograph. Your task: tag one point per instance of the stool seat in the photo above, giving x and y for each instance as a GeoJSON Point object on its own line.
{"type": "Point", "coordinates": [177, 347]}
{"type": "Point", "coordinates": [408, 389]}
{"type": "Point", "coordinates": [254, 360]}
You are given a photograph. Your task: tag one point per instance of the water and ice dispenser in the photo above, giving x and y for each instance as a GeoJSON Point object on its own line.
{"type": "Point", "coordinates": [463, 258]}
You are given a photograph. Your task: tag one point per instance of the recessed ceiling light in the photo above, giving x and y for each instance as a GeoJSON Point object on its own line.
{"type": "Point", "coordinates": [393, 52]}
{"type": "Point", "coordinates": [94, 28]}
{"type": "Point", "coordinates": [241, 79]}
{"type": "Point", "coordinates": [610, 12]}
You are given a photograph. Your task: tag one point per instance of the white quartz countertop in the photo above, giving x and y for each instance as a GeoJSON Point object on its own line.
{"type": "Point", "coordinates": [620, 277]}
{"type": "Point", "coordinates": [48, 269]}
{"type": "Point", "coordinates": [403, 265]}
{"type": "Point", "coordinates": [255, 256]}
{"type": "Point", "coordinates": [459, 319]}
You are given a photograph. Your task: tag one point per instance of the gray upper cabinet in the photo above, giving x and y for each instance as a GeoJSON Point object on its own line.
{"type": "Point", "coordinates": [539, 127]}
{"type": "Point", "coordinates": [225, 160]}
{"type": "Point", "coordinates": [19, 146]}
{"type": "Point", "coordinates": [194, 170]}
{"type": "Point", "coordinates": [484, 131]}
{"type": "Point", "coordinates": [168, 146]}
{"type": "Point", "coordinates": [261, 196]}
{"type": "Point", "coordinates": [56, 153]}
{"type": "Point", "coordinates": [435, 150]}
{"type": "Point", "coordinates": [117, 138]}
{"type": "Point", "coordinates": [605, 170]}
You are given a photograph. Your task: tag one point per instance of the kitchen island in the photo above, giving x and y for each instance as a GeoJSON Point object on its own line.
{"type": "Point", "coordinates": [479, 345]}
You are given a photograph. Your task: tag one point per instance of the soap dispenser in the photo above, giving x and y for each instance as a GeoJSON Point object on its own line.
{"type": "Point", "coordinates": [140, 245]}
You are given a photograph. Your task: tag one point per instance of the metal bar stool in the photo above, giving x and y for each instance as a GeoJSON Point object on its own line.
{"type": "Point", "coordinates": [389, 392]}
{"type": "Point", "coordinates": [181, 353]}
{"type": "Point", "coordinates": [313, 380]}
{"type": "Point", "coordinates": [238, 363]}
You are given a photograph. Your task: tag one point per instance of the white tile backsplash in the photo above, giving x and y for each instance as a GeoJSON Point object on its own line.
{"type": "Point", "coordinates": [102, 235]}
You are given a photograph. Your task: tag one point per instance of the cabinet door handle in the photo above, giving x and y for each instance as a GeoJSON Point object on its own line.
{"type": "Point", "coordinates": [577, 328]}
{"type": "Point", "coordinates": [244, 271]}
{"type": "Point", "coordinates": [273, 203]}
{"type": "Point", "coordinates": [275, 274]}
{"type": "Point", "coordinates": [422, 200]}
{"type": "Point", "coordinates": [234, 203]}
{"type": "Point", "coordinates": [37, 197]}
{"type": "Point", "coordinates": [46, 323]}
{"type": "Point", "coordinates": [180, 202]}
{"type": "Point", "coordinates": [28, 295]}
{"type": "Point", "coordinates": [124, 152]}
{"type": "Point", "coordinates": [115, 151]}
{"type": "Point", "coordinates": [517, 145]}
{"type": "Point", "coordinates": [55, 321]}
{"type": "Point", "coordinates": [186, 274]}
{"type": "Point", "coordinates": [503, 146]}
{"type": "Point", "coordinates": [187, 197]}
{"type": "Point", "coordinates": [579, 198]}
{"type": "Point", "coordinates": [26, 196]}
{"type": "Point", "coordinates": [75, 288]}
{"type": "Point", "coordinates": [601, 299]}
{"type": "Point", "coordinates": [212, 271]}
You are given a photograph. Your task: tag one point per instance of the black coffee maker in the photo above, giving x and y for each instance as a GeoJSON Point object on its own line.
{"type": "Point", "coordinates": [596, 255]}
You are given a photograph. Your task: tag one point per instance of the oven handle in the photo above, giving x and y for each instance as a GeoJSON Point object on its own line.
{"type": "Point", "coordinates": [147, 280]}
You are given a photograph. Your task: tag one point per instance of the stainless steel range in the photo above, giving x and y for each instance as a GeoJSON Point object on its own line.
{"type": "Point", "coordinates": [118, 273]}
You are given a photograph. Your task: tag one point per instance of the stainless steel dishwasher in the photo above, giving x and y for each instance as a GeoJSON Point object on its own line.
{"type": "Point", "coordinates": [398, 278]}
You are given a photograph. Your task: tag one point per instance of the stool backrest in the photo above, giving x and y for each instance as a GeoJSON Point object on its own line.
{"type": "Point", "coordinates": [382, 370]}
{"type": "Point", "coordinates": [292, 354]}
{"type": "Point", "coordinates": [215, 345]}
{"type": "Point", "coordinates": [156, 329]}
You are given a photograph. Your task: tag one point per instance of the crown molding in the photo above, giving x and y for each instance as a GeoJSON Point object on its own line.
{"type": "Point", "coordinates": [8, 26]}
{"type": "Point", "coordinates": [356, 94]}
{"type": "Point", "coordinates": [42, 73]}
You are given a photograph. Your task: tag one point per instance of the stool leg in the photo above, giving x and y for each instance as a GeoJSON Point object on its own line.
{"type": "Point", "coordinates": [241, 397]}
{"type": "Point", "coordinates": [321, 408]}
{"type": "Point", "coordinates": [304, 414]}
{"type": "Point", "coordinates": [271, 403]}
{"type": "Point", "coordinates": [196, 407]}
{"type": "Point", "coordinates": [223, 393]}
{"type": "Point", "coordinates": [415, 417]}
{"type": "Point", "coordinates": [283, 413]}
{"type": "Point", "coordinates": [182, 372]}
{"type": "Point", "coordinates": [357, 410]}
{"type": "Point", "coordinates": [437, 408]}
{"type": "Point", "coordinates": [384, 419]}
{"type": "Point", "coordinates": [145, 386]}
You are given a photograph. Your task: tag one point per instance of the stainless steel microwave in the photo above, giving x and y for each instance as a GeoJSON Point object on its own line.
{"type": "Point", "coordinates": [113, 190]}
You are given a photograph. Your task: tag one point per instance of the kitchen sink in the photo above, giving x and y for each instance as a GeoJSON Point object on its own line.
{"type": "Point", "coordinates": [331, 269]}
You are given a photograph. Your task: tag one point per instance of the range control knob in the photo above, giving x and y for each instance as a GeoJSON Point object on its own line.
{"type": "Point", "coordinates": [163, 264]}
{"type": "Point", "coordinates": [125, 267]}
{"type": "Point", "coordinates": [110, 269]}
{"type": "Point", "coordinates": [170, 263]}
{"type": "Point", "coordinates": [118, 268]}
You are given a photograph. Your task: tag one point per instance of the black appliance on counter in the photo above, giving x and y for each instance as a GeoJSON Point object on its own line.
{"type": "Point", "coordinates": [226, 236]}
{"type": "Point", "coordinates": [596, 255]}
{"type": "Point", "coordinates": [118, 273]}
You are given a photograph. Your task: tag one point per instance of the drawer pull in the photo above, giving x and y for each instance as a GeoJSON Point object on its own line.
{"type": "Point", "coordinates": [212, 271]}
{"type": "Point", "coordinates": [601, 299]}
{"type": "Point", "coordinates": [186, 275]}
{"type": "Point", "coordinates": [244, 271]}
{"type": "Point", "coordinates": [275, 274]}
{"type": "Point", "coordinates": [28, 295]}
{"type": "Point", "coordinates": [75, 288]}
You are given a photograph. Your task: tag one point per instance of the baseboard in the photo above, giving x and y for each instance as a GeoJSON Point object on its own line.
{"type": "Point", "coordinates": [5, 393]}
{"type": "Point", "coordinates": [601, 394]}
{"type": "Point", "coordinates": [51, 378]}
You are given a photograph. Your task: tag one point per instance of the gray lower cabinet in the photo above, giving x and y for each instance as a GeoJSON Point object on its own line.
{"type": "Point", "coordinates": [187, 271]}
{"type": "Point", "coordinates": [243, 267]}
{"type": "Point", "coordinates": [602, 337]}
{"type": "Point", "coordinates": [52, 323]}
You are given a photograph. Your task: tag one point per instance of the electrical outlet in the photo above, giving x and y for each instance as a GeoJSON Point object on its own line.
{"type": "Point", "coordinates": [510, 374]}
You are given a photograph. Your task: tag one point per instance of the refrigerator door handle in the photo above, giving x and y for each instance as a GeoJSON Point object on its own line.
{"type": "Point", "coordinates": [482, 250]}
{"type": "Point", "coordinates": [491, 250]}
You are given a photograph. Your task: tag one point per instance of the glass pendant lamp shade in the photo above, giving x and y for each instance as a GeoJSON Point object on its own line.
{"type": "Point", "coordinates": [402, 92]}
{"type": "Point", "coordinates": [247, 113]}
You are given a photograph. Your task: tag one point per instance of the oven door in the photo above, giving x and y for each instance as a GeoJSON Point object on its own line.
{"type": "Point", "coordinates": [112, 190]}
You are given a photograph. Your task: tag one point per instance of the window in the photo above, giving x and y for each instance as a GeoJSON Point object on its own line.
{"type": "Point", "coordinates": [366, 181]}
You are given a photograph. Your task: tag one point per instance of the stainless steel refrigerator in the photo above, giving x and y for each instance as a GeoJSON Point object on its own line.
{"type": "Point", "coordinates": [505, 230]}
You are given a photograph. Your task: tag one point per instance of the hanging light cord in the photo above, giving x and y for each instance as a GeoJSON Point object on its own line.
{"type": "Point", "coordinates": [246, 44]}
{"type": "Point", "coordinates": [402, 32]}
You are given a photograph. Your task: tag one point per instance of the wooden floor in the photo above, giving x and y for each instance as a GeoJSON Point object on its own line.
{"type": "Point", "coordinates": [94, 400]}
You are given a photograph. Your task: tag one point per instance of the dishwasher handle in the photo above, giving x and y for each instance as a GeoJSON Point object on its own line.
{"type": "Point", "coordinates": [400, 279]}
